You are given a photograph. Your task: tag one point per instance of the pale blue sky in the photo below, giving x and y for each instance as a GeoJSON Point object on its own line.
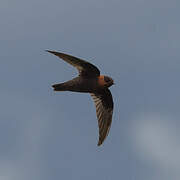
{"type": "Point", "coordinates": [46, 135]}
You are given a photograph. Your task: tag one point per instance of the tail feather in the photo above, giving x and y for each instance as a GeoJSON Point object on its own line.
{"type": "Point", "coordinates": [59, 87]}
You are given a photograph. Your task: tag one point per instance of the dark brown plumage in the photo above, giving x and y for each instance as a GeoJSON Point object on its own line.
{"type": "Point", "coordinates": [90, 81]}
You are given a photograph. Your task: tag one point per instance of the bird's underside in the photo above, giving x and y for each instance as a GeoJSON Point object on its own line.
{"type": "Point", "coordinates": [78, 84]}
{"type": "Point", "coordinates": [88, 82]}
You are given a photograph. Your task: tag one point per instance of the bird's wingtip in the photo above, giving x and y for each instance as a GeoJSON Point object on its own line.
{"type": "Point", "coordinates": [52, 52]}
{"type": "Point", "coordinates": [99, 143]}
{"type": "Point", "coordinates": [47, 50]}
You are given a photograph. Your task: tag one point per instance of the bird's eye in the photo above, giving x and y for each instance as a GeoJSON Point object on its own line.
{"type": "Point", "coordinates": [106, 79]}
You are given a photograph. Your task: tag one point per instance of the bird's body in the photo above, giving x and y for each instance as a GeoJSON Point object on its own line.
{"type": "Point", "coordinates": [90, 81]}
{"type": "Point", "coordinates": [80, 84]}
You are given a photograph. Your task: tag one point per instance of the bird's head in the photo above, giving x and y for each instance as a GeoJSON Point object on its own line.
{"type": "Point", "coordinates": [105, 81]}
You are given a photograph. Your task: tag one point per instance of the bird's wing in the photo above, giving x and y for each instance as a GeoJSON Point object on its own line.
{"type": "Point", "coordinates": [104, 109]}
{"type": "Point", "coordinates": [85, 68]}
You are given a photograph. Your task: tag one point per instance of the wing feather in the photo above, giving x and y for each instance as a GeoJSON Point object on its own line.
{"type": "Point", "coordinates": [104, 109]}
{"type": "Point", "coordinates": [85, 68]}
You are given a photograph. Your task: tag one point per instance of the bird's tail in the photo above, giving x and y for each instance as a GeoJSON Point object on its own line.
{"type": "Point", "coordinates": [59, 87]}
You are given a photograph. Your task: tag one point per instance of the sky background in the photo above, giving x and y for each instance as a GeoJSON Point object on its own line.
{"type": "Point", "coordinates": [49, 136]}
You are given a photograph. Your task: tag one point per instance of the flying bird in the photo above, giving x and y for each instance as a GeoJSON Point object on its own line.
{"type": "Point", "coordinates": [90, 81]}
